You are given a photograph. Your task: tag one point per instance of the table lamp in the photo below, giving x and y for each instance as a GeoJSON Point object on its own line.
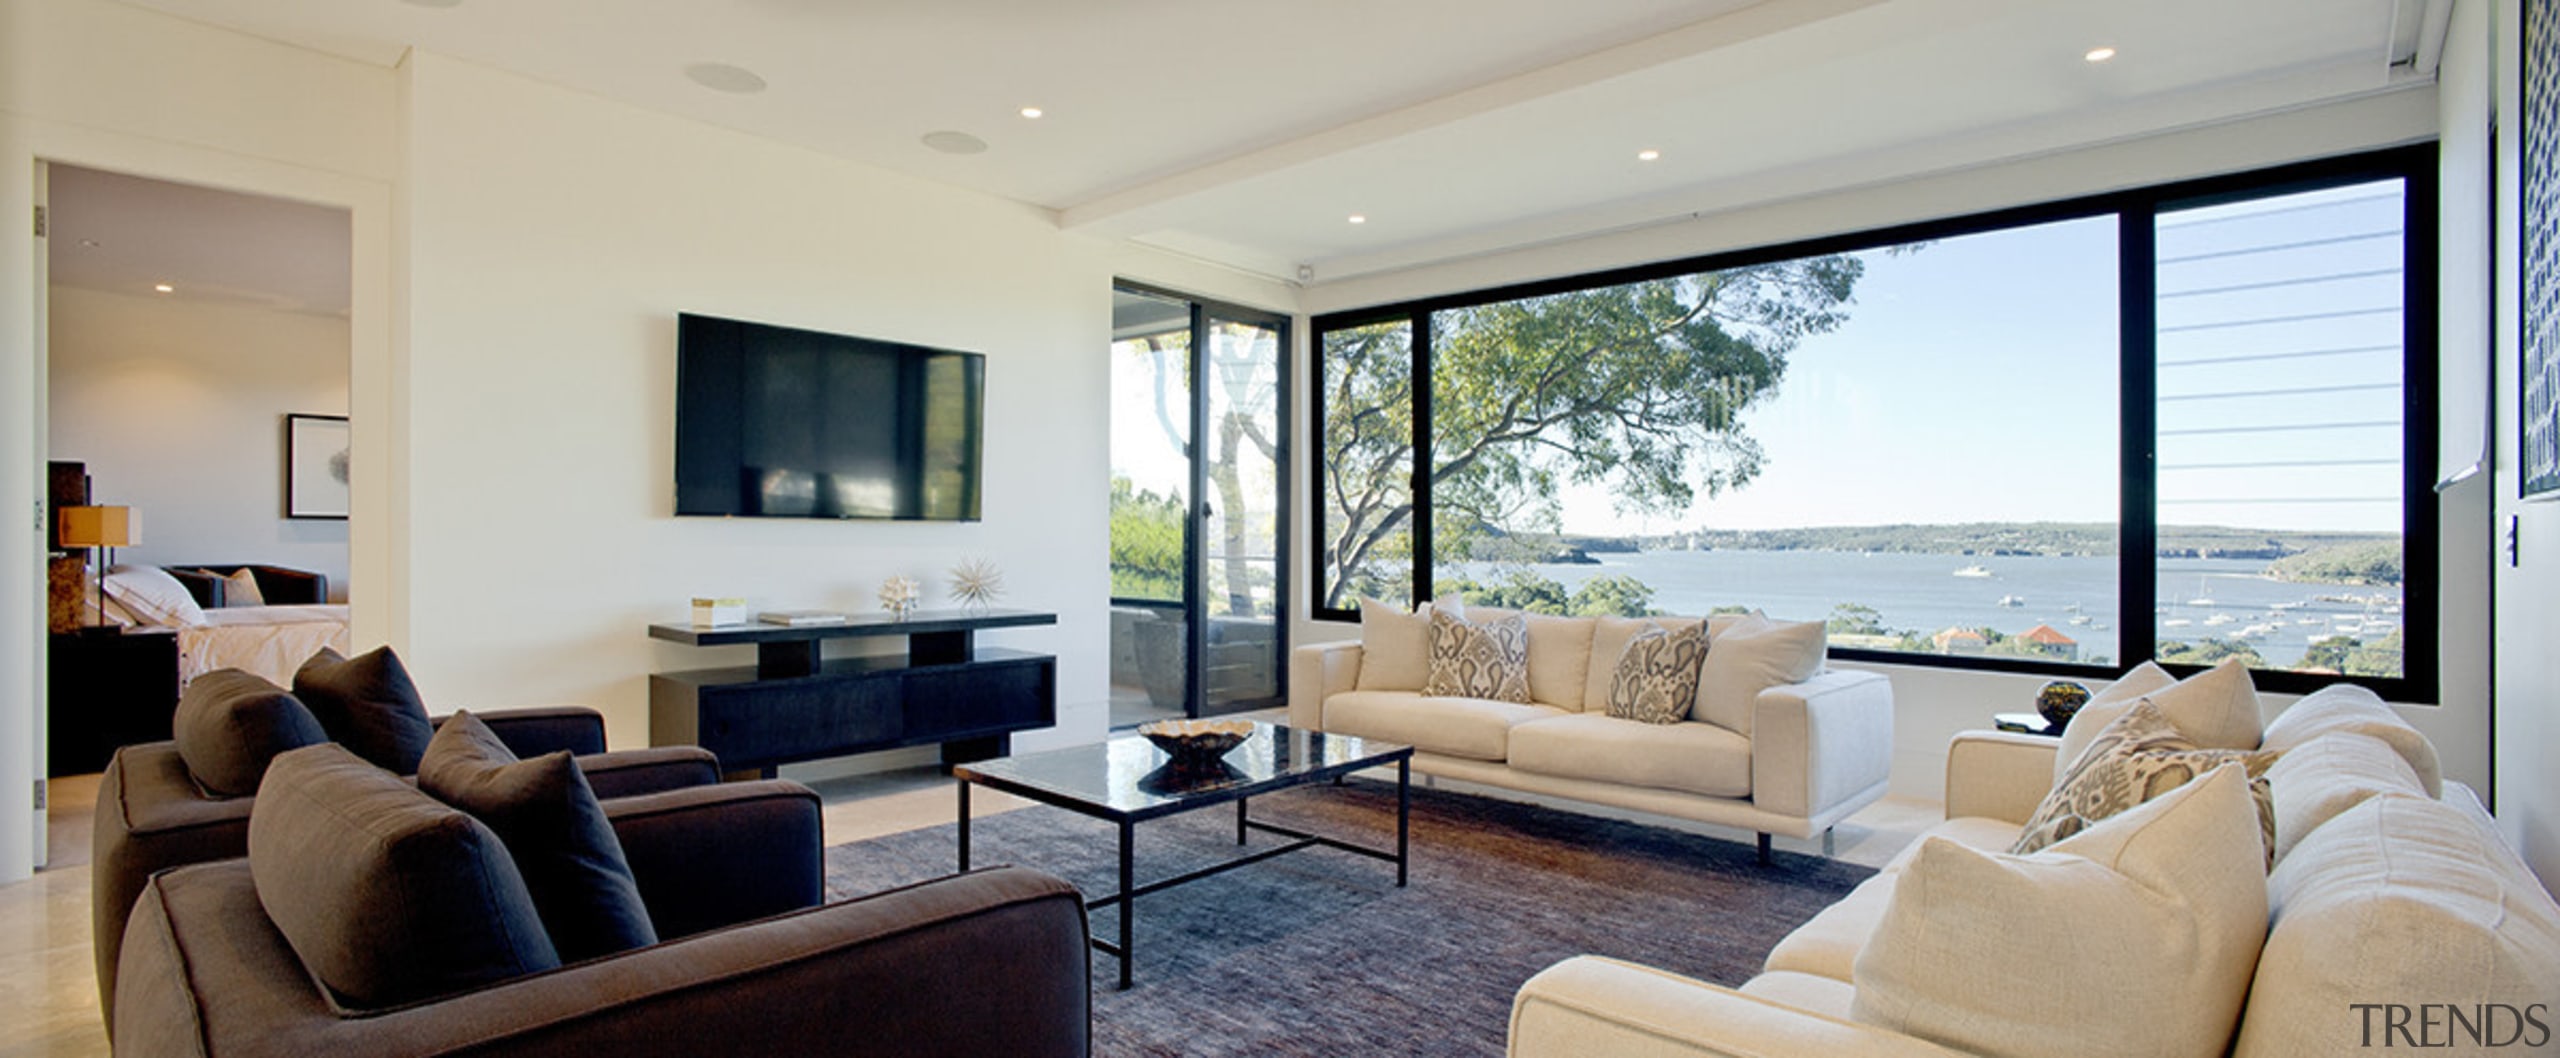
{"type": "Point", "coordinates": [101, 527]}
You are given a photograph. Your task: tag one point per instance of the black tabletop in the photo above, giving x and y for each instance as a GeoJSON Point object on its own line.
{"type": "Point", "coordinates": [1129, 777]}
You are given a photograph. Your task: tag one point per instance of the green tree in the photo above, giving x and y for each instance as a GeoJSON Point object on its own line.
{"type": "Point", "coordinates": [1146, 543]}
{"type": "Point", "coordinates": [2328, 655]}
{"type": "Point", "coordinates": [2209, 652]}
{"type": "Point", "coordinates": [1619, 596]}
{"type": "Point", "coordinates": [1518, 590]}
{"type": "Point", "coordinates": [2378, 658]}
{"type": "Point", "coordinates": [1855, 619]}
{"type": "Point", "coordinates": [1640, 386]}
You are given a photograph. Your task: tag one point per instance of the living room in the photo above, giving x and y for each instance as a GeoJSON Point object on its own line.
{"type": "Point", "coordinates": [522, 249]}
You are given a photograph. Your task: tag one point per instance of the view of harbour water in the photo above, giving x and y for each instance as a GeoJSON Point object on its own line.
{"type": "Point", "coordinates": [2199, 598]}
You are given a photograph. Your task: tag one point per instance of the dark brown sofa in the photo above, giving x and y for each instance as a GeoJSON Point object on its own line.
{"type": "Point", "coordinates": [152, 814]}
{"type": "Point", "coordinates": [989, 963]}
{"type": "Point", "coordinates": [277, 585]}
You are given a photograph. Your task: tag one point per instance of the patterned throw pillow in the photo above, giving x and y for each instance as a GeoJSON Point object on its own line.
{"type": "Point", "coordinates": [1487, 660]}
{"type": "Point", "coordinates": [2138, 757]}
{"type": "Point", "coordinates": [1657, 678]}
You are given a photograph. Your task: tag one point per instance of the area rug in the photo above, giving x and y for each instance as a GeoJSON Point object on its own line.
{"type": "Point", "coordinates": [1318, 953]}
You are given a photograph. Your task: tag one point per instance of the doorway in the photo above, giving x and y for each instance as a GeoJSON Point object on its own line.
{"type": "Point", "coordinates": [1198, 576]}
{"type": "Point", "coordinates": [188, 335]}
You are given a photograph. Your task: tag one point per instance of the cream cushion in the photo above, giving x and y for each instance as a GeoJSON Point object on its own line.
{"type": "Point", "coordinates": [1753, 655]}
{"type": "Point", "coordinates": [152, 596]}
{"type": "Point", "coordinates": [1688, 756]}
{"type": "Point", "coordinates": [1609, 639]}
{"type": "Point", "coordinates": [2215, 709]}
{"type": "Point", "coordinates": [1827, 996]}
{"type": "Point", "coordinates": [1559, 659]}
{"type": "Point", "coordinates": [2136, 937]}
{"type": "Point", "coordinates": [240, 588]}
{"type": "Point", "coordinates": [1483, 658]}
{"type": "Point", "coordinates": [1395, 646]}
{"type": "Point", "coordinates": [2399, 900]}
{"type": "Point", "coordinates": [1457, 727]}
{"type": "Point", "coordinates": [1827, 945]}
{"type": "Point", "coordinates": [2318, 780]}
{"type": "Point", "coordinates": [2102, 709]}
{"type": "Point", "coordinates": [2347, 707]}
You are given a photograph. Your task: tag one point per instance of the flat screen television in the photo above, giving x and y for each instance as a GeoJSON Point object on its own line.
{"type": "Point", "coordinates": [777, 422]}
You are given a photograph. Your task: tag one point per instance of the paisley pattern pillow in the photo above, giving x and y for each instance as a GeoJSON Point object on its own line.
{"type": "Point", "coordinates": [1657, 678]}
{"type": "Point", "coordinates": [2137, 757]}
{"type": "Point", "coordinates": [1479, 660]}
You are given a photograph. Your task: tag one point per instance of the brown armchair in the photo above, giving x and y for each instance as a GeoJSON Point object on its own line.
{"type": "Point", "coordinates": [152, 814]}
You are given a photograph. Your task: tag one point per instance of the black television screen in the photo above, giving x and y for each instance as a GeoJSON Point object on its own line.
{"type": "Point", "coordinates": [777, 422]}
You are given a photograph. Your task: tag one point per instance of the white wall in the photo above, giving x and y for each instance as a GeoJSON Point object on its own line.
{"type": "Point", "coordinates": [549, 254]}
{"type": "Point", "coordinates": [109, 86]}
{"type": "Point", "coordinates": [1933, 704]}
{"type": "Point", "coordinates": [2528, 585]}
{"type": "Point", "coordinates": [177, 407]}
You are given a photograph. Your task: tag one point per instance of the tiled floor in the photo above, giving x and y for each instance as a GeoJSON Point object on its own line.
{"type": "Point", "coordinates": [48, 989]}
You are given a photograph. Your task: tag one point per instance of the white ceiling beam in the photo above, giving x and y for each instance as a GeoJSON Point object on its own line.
{"type": "Point", "coordinates": [1127, 211]}
{"type": "Point", "coordinates": [2131, 121]}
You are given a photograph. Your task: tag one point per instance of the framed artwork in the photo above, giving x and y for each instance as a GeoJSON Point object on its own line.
{"type": "Point", "coordinates": [315, 466]}
{"type": "Point", "coordinates": [2539, 405]}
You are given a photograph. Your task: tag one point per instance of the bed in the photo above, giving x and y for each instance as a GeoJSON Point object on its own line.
{"type": "Point", "coordinates": [261, 619]}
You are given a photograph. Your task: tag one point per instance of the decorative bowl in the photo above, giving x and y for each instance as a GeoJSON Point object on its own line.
{"type": "Point", "coordinates": [1196, 743]}
{"type": "Point", "coordinates": [2059, 700]}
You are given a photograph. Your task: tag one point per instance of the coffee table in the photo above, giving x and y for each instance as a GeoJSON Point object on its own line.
{"type": "Point", "coordinates": [1127, 780]}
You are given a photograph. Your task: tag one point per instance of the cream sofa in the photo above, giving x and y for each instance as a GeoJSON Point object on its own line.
{"type": "Point", "coordinates": [1791, 759]}
{"type": "Point", "coordinates": [2391, 889]}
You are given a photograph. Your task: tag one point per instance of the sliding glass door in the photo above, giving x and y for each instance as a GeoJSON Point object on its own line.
{"type": "Point", "coordinates": [1196, 575]}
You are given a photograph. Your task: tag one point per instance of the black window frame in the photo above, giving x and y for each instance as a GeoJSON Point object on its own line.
{"type": "Point", "coordinates": [2137, 211]}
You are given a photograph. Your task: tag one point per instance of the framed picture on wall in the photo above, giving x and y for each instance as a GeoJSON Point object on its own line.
{"type": "Point", "coordinates": [2539, 404]}
{"type": "Point", "coordinates": [315, 466]}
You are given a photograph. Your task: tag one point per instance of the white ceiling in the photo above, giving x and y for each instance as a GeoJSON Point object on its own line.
{"type": "Point", "coordinates": [127, 234]}
{"type": "Point", "coordinates": [1247, 133]}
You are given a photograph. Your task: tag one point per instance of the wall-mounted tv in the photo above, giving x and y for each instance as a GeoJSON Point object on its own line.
{"type": "Point", "coordinates": [777, 422]}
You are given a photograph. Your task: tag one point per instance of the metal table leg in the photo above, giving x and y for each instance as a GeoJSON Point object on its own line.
{"type": "Point", "coordinates": [964, 824]}
{"type": "Point", "coordinates": [1404, 813]}
{"type": "Point", "coordinates": [1240, 819]}
{"type": "Point", "coordinates": [1128, 901]}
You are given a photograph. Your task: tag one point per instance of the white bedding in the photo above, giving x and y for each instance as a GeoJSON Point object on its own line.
{"type": "Point", "coordinates": [271, 641]}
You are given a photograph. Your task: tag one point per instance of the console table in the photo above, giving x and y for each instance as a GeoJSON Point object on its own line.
{"type": "Point", "coordinates": [792, 705]}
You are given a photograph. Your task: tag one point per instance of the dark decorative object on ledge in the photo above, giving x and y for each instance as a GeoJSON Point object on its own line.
{"type": "Point", "coordinates": [1197, 745]}
{"type": "Point", "coordinates": [2059, 700]}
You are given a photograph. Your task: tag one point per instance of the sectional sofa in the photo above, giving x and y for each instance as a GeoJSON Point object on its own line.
{"type": "Point", "coordinates": [1774, 743]}
{"type": "Point", "coordinates": [2393, 916]}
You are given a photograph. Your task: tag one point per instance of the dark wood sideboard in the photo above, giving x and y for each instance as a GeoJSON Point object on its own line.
{"type": "Point", "coordinates": [796, 705]}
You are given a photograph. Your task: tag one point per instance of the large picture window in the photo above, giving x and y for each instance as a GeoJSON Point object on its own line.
{"type": "Point", "coordinates": [2176, 424]}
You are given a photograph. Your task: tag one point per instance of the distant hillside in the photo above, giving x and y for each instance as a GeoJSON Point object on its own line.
{"type": "Point", "coordinates": [1971, 538]}
{"type": "Point", "coordinates": [2366, 563]}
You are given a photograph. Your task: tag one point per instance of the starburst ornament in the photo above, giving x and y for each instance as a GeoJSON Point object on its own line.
{"type": "Point", "coordinates": [898, 596]}
{"type": "Point", "coordinates": [976, 583]}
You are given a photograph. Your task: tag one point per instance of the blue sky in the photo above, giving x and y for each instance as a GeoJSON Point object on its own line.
{"type": "Point", "coordinates": [1977, 380]}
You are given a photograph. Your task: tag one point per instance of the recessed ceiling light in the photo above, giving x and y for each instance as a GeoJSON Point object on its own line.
{"type": "Point", "coordinates": [1648, 154]}
{"type": "Point", "coordinates": [1359, 218]}
{"type": "Point", "coordinates": [164, 288]}
{"type": "Point", "coordinates": [723, 77]}
{"type": "Point", "coordinates": [949, 141]}
{"type": "Point", "coordinates": [1032, 112]}
{"type": "Point", "coordinates": [2100, 54]}
{"type": "Point", "coordinates": [88, 244]}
